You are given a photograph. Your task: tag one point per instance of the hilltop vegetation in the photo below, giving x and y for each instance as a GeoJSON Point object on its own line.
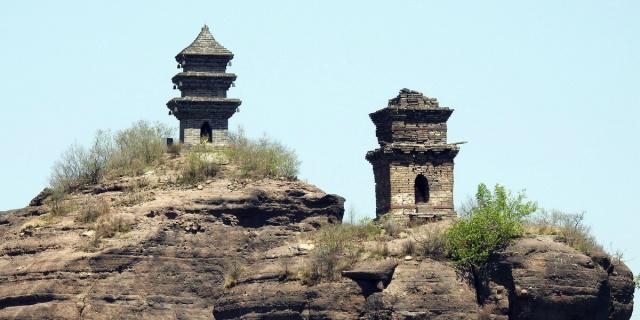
{"type": "Point", "coordinates": [231, 232]}
{"type": "Point", "coordinates": [488, 224]}
{"type": "Point", "coordinates": [131, 151]}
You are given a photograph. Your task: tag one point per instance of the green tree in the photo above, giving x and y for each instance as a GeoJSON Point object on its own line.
{"type": "Point", "coordinates": [488, 224]}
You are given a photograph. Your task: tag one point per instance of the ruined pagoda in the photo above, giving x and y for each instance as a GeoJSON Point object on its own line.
{"type": "Point", "coordinates": [203, 107]}
{"type": "Point", "coordinates": [413, 167]}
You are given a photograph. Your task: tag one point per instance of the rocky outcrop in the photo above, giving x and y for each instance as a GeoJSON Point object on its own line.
{"type": "Point", "coordinates": [538, 278]}
{"type": "Point", "coordinates": [170, 265]}
{"type": "Point", "coordinates": [425, 289]}
{"type": "Point", "coordinates": [232, 250]}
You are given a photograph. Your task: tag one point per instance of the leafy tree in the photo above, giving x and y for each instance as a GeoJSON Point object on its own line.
{"type": "Point", "coordinates": [488, 224]}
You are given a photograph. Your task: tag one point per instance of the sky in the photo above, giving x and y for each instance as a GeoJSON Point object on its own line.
{"type": "Point", "coordinates": [545, 92]}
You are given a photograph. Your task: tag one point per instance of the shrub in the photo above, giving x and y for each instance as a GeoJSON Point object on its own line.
{"type": "Point", "coordinates": [128, 151]}
{"type": "Point", "coordinates": [332, 242]}
{"type": "Point", "coordinates": [262, 158]}
{"type": "Point", "coordinates": [391, 226]}
{"type": "Point", "coordinates": [234, 271]}
{"type": "Point", "coordinates": [409, 247]}
{"type": "Point", "coordinates": [570, 228]}
{"type": "Point", "coordinates": [79, 166]}
{"type": "Point", "coordinates": [491, 223]}
{"type": "Point", "coordinates": [109, 226]}
{"type": "Point", "coordinates": [57, 203]}
{"type": "Point", "coordinates": [139, 146]}
{"type": "Point", "coordinates": [338, 246]}
{"type": "Point", "coordinates": [431, 241]}
{"type": "Point", "coordinates": [382, 249]}
{"type": "Point", "coordinates": [92, 211]}
{"type": "Point", "coordinates": [197, 168]}
{"type": "Point", "coordinates": [175, 149]}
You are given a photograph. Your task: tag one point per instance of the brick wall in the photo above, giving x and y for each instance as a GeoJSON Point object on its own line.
{"type": "Point", "coordinates": [190, 131]}
{"type": "Point", "coordinates": [402, 188]}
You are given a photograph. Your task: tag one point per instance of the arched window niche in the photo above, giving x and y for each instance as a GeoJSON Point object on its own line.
{"type": "Point", "coordinates": [205, 132]}
{"type": "Point", "coordinates": [421, 188]}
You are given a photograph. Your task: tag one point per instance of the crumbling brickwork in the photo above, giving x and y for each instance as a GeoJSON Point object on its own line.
{"type": "Point", "coordinates": [413, 168]}
{"type": "Point", "coordinates": [203, 107]}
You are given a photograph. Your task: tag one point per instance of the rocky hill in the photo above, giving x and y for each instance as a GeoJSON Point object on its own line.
{"type": "Point", "coordinates": [229, 248]}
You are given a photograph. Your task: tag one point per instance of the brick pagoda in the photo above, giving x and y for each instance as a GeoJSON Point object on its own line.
{"type": "Point", "coordinates": [203, 107]}
{"type": "Point", "coordinates": [413, 168]}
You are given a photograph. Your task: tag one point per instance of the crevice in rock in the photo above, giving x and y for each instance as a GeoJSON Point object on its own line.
{"type": "Point", "coordinates": [31, 299]}
{"type": "Point", "coordinates": [490, 283]}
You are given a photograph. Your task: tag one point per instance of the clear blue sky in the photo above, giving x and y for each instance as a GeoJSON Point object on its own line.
{"type": "Point", "coordinates": [546, 92]}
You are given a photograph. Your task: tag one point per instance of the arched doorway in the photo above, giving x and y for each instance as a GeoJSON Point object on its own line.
{"type": "Point", "coordinates": [421, 188]}
{"type": "Point", "coordinates": [205, 132]}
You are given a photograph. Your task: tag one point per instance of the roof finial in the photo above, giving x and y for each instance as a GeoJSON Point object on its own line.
{"type": "Point", "coordinates": [205, 27]}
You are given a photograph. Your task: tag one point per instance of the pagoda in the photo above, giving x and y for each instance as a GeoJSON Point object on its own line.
{"type": "Point", "coordinates": [413, 167]}
{"type": "Point", "coordinates": [203, 107]}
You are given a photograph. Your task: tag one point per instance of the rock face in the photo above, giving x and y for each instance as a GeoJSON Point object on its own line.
{"type": "Point", "coordinates": [229, 250]}
{"type": "Point", "coordinates": [537, 278]}
{"type": "Point", "coordinates": [172, 263]}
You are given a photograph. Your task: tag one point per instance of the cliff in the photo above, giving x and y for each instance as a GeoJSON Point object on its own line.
{"type": "Point", "coordinates": [231, 248]}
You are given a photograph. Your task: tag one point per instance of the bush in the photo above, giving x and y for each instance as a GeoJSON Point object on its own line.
{"type": "Point", "coordinates": [234, 271]}
{"type": "Point", "coordinates": [57, 203]}
{"type": "Point", "coordinates": [382, 249]}
{"type": "Point", "coordinates": [175, 149]}
{"type": "Point", "coordinates": [108, 227]}
{"type": "Point", "coordinates": [92, 211]}
{"type": "Point", "coordinates": [431, 240]}
{"type": "Point", "coordinates": [489, 225]}
{"type": "Point", "coordinates": [139, 146]}
{"type": "Point", "coordinates": [129, 151]}
{"type": "Point", "coordinates": [263, 158]}
{"type": "Point", "coordinates": [570, 228]}
{"type": "Point", "coordinates": [391, 226]}
{"type": "Point", "coordinates": [409, 247]}
{"type": "Point", "coordinates": [338, 246]}
{"type": "Point", "coordinates": [197, 168]}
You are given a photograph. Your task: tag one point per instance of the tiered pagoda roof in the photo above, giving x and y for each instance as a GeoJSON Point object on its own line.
{"type": "Point", "coordinates": [410, 106]}
{"type": "Point", "coordinates": [205, 44]}
{"type": "Point", "coordinates": [204, 82]}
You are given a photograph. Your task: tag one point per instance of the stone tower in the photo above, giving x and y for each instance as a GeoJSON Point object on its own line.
{"type": "Point", "coordinates": [413, 168]}
{"type": "Point", "coordinates": [203, 107]}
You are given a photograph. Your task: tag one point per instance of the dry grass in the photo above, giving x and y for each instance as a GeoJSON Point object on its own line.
{"type": "Point", "coordinates": [109, 226]}
{"type": "Point", "coordinates": [199, 166]}
{"type": "Point", "coordinates": [133, 198]}
{"type": "Point", "coordinates": [127, 152]}
{"type": "Point", "coordinates": [431, 239]}
{"type": "Point", "coordinates": [381, 249]}
{"type": "Point", "coordinates": [569, 228]}
{"type": "Point", "coordinates": [34, 224]}
{"type": "Point", "coordinates": [409, 247]}
{"type": "Point", "coordinates": [391, 226]}
{"type": "Point", "coordinates": [233, 273]}
{"type": "Point", "coordinates": [338, 246]}
{"type": "Point", "coordinates": [262, 158]}
{"type": "Point", "coordinates": [90, 212]}
{"type": "Point", "coordinates": [58, 203]}
{"type": "Point", "coordinates": [175, 149]}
